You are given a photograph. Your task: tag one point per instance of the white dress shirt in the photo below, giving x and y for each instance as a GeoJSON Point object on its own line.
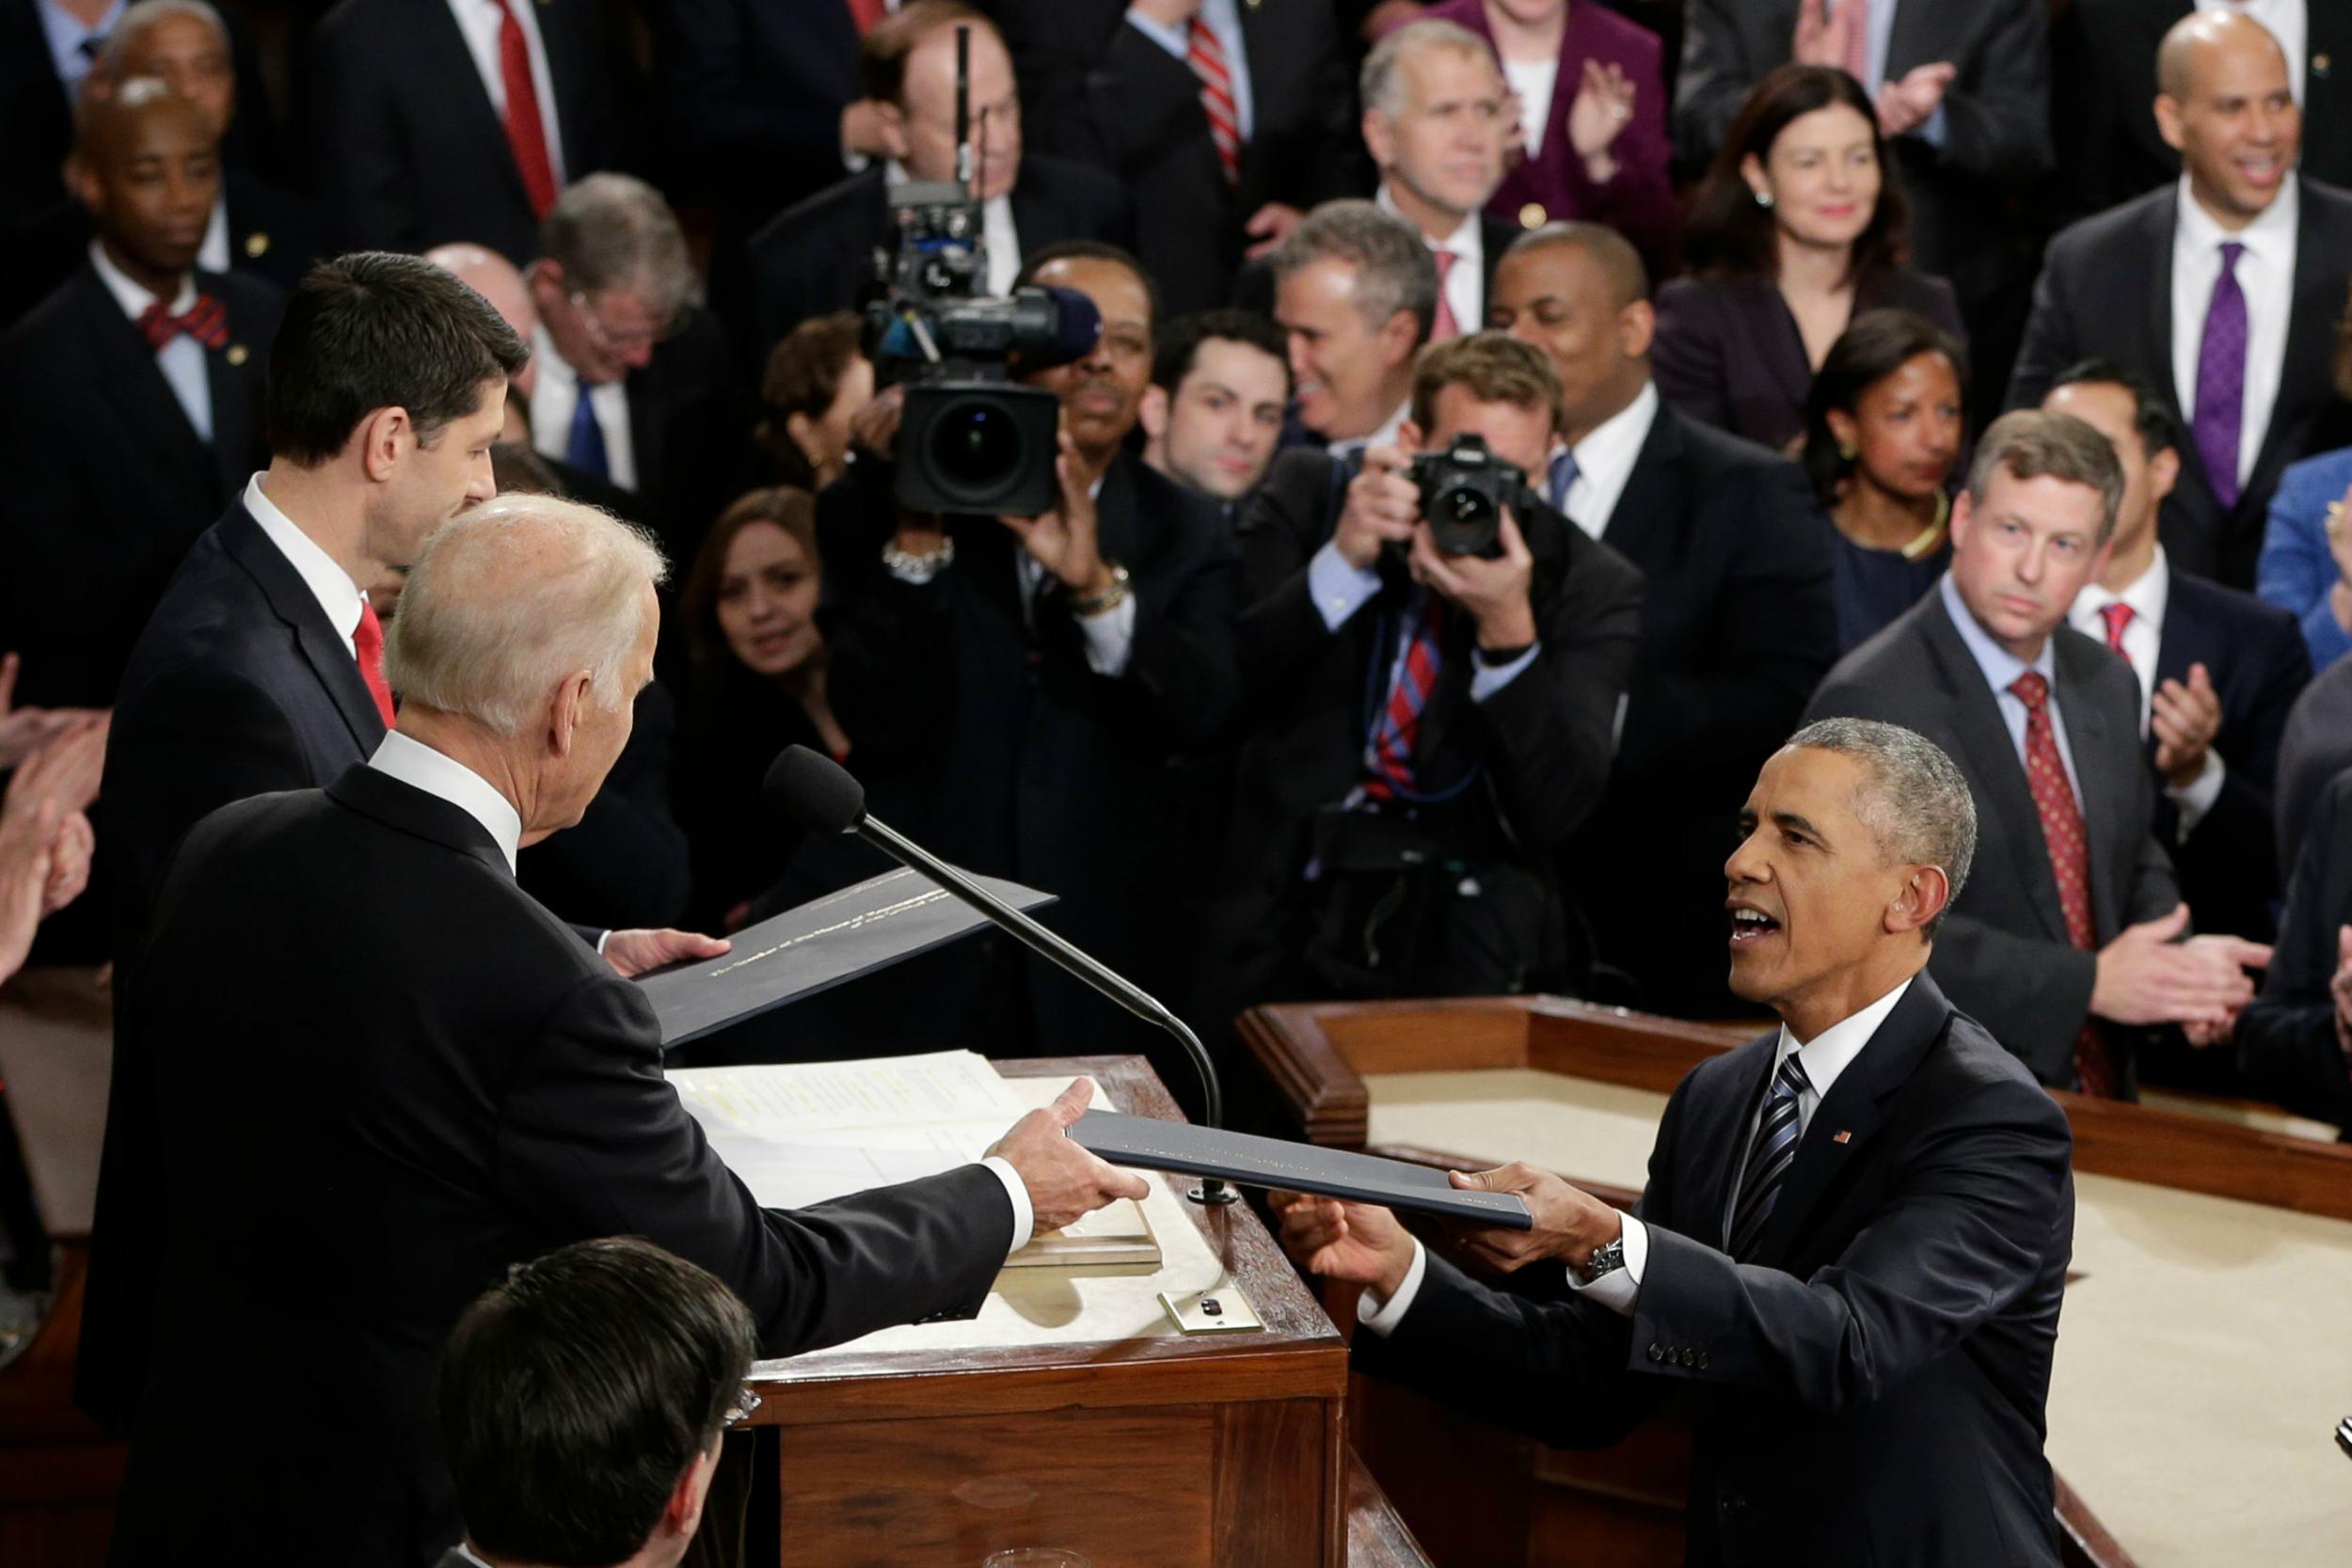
{"type": "Point", "coordinates": [212, 255]}
{"type": "Point", "coordinates": [997, 233]}
{"type": "Point", "coordinates": [1534, 82]}
{"type": "Point", "coordinates": [555, 394]}
{"type": "Point", "coordinates": [2148, 594]}
{"type": "Point", "coordinates": [2265, 274]}
{"type": "Point", "coordinates": [181, 360]}
{"type": "Point", "coordinates": [1464, 285]}
{"type": "Point", "coordinates": [1605, 459]}
{"type": "Point", "coordinates": [67, 37]}
{"type": "Point", "coordinates": [480, 21]}
{"type": "Point", "coordinates": [1878, 21]}
{"type": "Point", "coordinates": [1223, 20]}
{"type": "Point", "coordinates": [2289, 22]}
{"type": "Point", "coordinates": [2000, 668]}
{"type": "Point", "coordinates": [1823, 1057]}
{"type": "Point", "coordinates": [338, 598]}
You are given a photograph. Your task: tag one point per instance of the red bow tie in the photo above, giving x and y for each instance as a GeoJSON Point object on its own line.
{"type": "Point", "coordinates": [206, 321]}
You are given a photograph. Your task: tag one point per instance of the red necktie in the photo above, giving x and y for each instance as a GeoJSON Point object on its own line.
{"type": "Point", "coordinates": [865, 13]}
{"type": "Point", "coordinates": [2117, 615]}
{"type": "Point", "coordinates": [206, 321]}
{"type": "Point", "coordinates": [2070, 861]}
{"type": "Point", "coordinates": [1400, 722]}
{"type": "Point", "coordinates": [1206, 56]}
{"type": "Point", "coordinates": [526, 133]}
{"type": "Point", "coordinates": [1444, 325]}
{"type": "Point", "coordinates": [367, 643]}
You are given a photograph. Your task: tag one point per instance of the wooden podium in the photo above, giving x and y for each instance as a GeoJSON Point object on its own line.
{"type": "Point", "coordinates": [1137, 1446]}
{"type": "Point", "coordinates": [2200, 1358]}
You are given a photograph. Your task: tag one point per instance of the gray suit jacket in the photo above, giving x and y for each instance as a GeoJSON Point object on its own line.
{"type": "Point", "coordinates": [2003, 956]}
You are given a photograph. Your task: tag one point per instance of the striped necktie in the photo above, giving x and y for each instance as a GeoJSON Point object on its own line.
{"type": "Point", "coordinates": [1394, 736]}
{"type": "Point", "coordinates": [1771, 1152]}
{"type": "Point", "coordinates": [1206, 56]}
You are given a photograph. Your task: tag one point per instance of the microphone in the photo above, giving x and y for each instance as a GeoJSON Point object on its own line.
{"type": "Point", "coordinates": [825, 798]}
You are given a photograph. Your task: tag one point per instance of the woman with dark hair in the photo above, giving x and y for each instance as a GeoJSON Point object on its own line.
{"type": "Point", "coordinates": [758, 685]}
{"type": "Point", "coordinates": [817, 378]}
{"type": "Point", "coordinates": [2306, 562]}
{"type": "Point", "coordinates": [1798, 229]}
{"type": "Point", "coordinates": [1884, 433]}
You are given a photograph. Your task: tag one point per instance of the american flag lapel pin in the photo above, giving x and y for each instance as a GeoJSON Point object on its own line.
{"type": "Point", "coordinates": [1841, 1137]}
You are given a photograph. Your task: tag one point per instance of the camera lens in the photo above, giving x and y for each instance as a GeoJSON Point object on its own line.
{"type": "Point", "coordinates": [976, 447]}
{"type": "Point", "coordinates": [1461, 507]}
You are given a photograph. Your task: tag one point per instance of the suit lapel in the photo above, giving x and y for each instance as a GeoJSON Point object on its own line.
{"type": "Point", "coordinates": [469, 98]}
{"type": "Point", "coordinates": [2098, 773]}
{"type": "Point", "coordinates": [2155, 324]}
{"type": "Point", "coordinates": [231, 371]}
{"type": "Point", "coordinates": [1720, 1143]}
{"type": "Point", "coordinates": [136, 387]}
{"type": "Point", "coordinates": [1650, 499]}
{"type": "Point", "coordinates": [642, 391]}
{"type": "Point", "coordinates": [322, 645]}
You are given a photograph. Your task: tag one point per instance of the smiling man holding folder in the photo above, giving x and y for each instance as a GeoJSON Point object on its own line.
{"type": "Point", "coordinates": [1853, 1240]}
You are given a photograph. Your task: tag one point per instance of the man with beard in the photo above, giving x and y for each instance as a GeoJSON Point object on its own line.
{"type": "Point", "coordinates": [1018, 685]}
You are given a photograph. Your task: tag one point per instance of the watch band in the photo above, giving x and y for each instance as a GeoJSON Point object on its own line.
{"type": "Point", "coordinates": [909, 567]}
{"type": "Point", "coordinates": [1605, 1260]}
{"type": "Point", "coordinates": [1108, 599]}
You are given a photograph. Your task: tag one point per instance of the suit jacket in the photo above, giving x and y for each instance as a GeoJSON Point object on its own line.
{"type": "Point", "coordinates": [42, 229]}
{"type": "Point", "coordinates": [1728, 352]}
{"type": "Point", "coordinates": [622, 865]}
{"type": "Point", "coordinates": [1541, 743]}
{"type": "Point", "coordinates": [273, 233]}
{"type": "Point", "coordinates": [818, 256]}
{"type": "Point", "coordinates": [411, 153]}
{"type": "Point", "coordinates": [1738, 625]}
{"type": "Point", "coordinates": [2315, 746]}
{"type": "Point", "coordinates": [308, 1212]}
{"type": "Point", "coordinates": [2003, 952]}
{"type": "Point", "coordinates": [1254, 286]}
{"type": "Point", "coordinates": [1099, 92]}
{"type": "Point", "coordinates": [2286, 1039]}
{"type": "Point", "coordinates": [2229, 867]}
{"type": "Point", "coordinates": [984, 734]}
{"type": "Point", "coordinates": [2104, 51]}
{"type": "Point", "coordinates": [1872, 1386]}
{"type": "Point", "coordinates": [755, 94]}
{"type": "Point", "coordinates": [2106, 291]}
{"type": "Point", "coordinates": [1997, 111]}
{"type": "Point", "coordinates": [1640, 202]}
{"type": "Point", "coordinates": [110, 483]}
{"type": "Point", "coordinates": [2296, 570]}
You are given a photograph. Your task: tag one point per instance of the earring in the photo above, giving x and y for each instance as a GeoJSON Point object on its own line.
{"type": "Point", "coordinates": [1848, 452]}
{"type": "Point", "coordinates": [1763, 198]}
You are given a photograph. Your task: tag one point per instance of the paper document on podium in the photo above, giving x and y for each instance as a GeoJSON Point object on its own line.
{"type": "Point", "coordinates": [799, 1134]}
{"type": "Point", "coordinates": [1255, 1162]}
{"type": "Point", "coordinates": [817, 946]}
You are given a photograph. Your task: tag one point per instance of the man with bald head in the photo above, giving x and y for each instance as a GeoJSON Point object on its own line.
{"type": "Point", "coordinates": [257, 226]}
{"type": "Point", "coordinates": [129, 398]}
{"type": "Point", "coordinates": [500, 281]}
{"type": "Point", "coordinates": [2235, 320]}
{"type": "Point", "coordinates": [1736, 623]}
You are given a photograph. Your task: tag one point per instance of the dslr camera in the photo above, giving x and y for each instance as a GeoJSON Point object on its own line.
{"type": "Point", "coordinates": [1464, 489]}
{"type": "Point", "coordinates": [969, 439]}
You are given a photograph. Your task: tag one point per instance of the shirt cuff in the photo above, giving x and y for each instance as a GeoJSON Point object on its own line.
{"type": "Point", "coordinates": [1023, 1217]}
{"type": "Point", "coordinates": [1382, 1317]}
{"type": "Point", "coordinates": [1936, 129]}
{"type": "Point", "coordinates": [1171, 39]}
{"type": "Point", "coordinates": [1619, 1288]}
{"type": "Point", "coordinates": [601, 941]}
{"type": "Point", "coordinates": [2203, 791]}
{"type": "Point", "coordinates": [1488, 679]}
{"type": "Point", "coordinates": [1110, 638]}
{"type": "Point", "coordinates": [1340, 587]}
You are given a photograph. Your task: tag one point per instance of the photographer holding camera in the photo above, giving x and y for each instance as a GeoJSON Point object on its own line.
{"type": "Point", "coordinates": [1436, 659]}
{"type": "Point", "coordinates": [1018, 683]}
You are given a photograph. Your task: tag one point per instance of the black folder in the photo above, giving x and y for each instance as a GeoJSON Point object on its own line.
{"type": "Point", "coordinates": [1254, 1162]}
{"type": "Point", "coordinates": [817, 946]}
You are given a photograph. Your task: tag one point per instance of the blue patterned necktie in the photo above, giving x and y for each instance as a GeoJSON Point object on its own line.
{"type": "Point", "coordinates": [583, 445]}
{"type": "Point", "coordinates": [1556, 481]}
{"type": "Point", "coordinates": [1769, 1154]}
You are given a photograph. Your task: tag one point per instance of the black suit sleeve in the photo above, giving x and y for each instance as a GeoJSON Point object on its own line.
{"type": "Point", "coordinates": [2052, 339]}
{"type": "Point", "coordinates": [367, 184]}
{"type": "Point", "coordinates": [594, 1143]}
{"type": "Point", "coordinates": [1996, 114]}
{"type": "Point", "coordinates": [1280, 531]}
{"type": "Point", "coordinates": [1183, 664]}
{"type": "Point", "coordinates": [888, 644]}
{"type": "Point", "coordinates": [2287, 1043]}
{"type": "Point", "coordinates": [2239, 829]}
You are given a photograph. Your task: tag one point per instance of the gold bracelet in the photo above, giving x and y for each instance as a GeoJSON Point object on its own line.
{"type": "Point", "coordinates": [1108, 599]}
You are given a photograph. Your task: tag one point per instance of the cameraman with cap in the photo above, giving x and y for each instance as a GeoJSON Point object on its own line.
{"type": "Point", "coordinates": [1017, 687]}
{"type": "Point", "coordinates": [1431, 704]}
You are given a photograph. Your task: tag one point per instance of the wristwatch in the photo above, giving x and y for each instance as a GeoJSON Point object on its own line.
{"type": "Point", "coordinates": [1108, 599]}
{"type": "Point", "coordinates": [907, 566]}
{"type": "Point", "coordinates": [1605, 1260]}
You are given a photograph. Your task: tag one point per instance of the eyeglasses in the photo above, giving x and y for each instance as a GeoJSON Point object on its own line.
{"type": "Point", "coordinates": [614, 339]}
{"type": "Point", "coordinates": [745, 1402]}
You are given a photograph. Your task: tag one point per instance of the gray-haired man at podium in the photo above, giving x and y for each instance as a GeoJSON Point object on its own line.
{"type": "Point", "coordinates": [384, 1074]}
{"type": "Point", "coordinates": [1851, 1248]}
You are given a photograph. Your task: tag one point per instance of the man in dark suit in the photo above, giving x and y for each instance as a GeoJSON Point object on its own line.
{"type": "Point", "coordinates": [2218, 669]}
{"type": "Point", "coordinates": [1224, 121]}
{"type": "Point", "coordinates": [1421, 720]}
{"type": "Point", "coordinates": [129, 401]}
{"type": "Point", "coordinates": [2104, 51]}
{"type": "Point", "coordinates": [511, 1099]}
{"type": "Point", "coordinates": [1853, 1246]}
{"type": "Point", "coordinates": [457, 120]}
{"type": "Point", "coordinates": [1963, 90]}
{"type": "Point", "coordinates": [631, 379]}
{"type": "Point", "coordinates": [819, 254]}
{"type": "Point", "coordinates": [2315, 747]}
{"type": "Point", "coordinates": [45, 52]}
{"type": "Point", "coordinates": [2295, 1041]}
{"type": "Point", "coordinates": [2069, 942]}
{"type": "Point", "coordinates": [1737, 619]}
{"type": "Point", "coordinates": [2224, 292]}
{"type": "Point", "coordinates": [257, 225]}
{"type": "Point", "coordinates": [1019, 685]}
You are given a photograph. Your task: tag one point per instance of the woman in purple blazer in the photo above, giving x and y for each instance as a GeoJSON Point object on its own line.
{"type": "Point", "coordinates": [1591, 82]}
{"type": "Point", "coordinates": [1798, 230]}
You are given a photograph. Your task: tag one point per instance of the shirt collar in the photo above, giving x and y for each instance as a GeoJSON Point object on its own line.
{"type": "Point", "coordinates": [1830, 1053]}
{"type": "Point", "coordinates": [133, 298]}
{"type": "Point", "coordinates": [1607, 455]}
{"type": "Point", "coordinates": [66, 34]}
{"type": "Point", "coordinates": [337, 594]}
{"type": "Point", "coordinates": [2001, 667]}
{"type": "Point", "coordinates": [1466, 242]}
{"type": "Point", "coordinates": [552, 368]}
{"type": "Point", "coordinates": [1384, 437]}
{"type": "Point", "coordinates": [2270, 236]}
{"type": "Point", "coordinates": [2147, 594]}
{"type": "Point", "coordinates": [412, 762]}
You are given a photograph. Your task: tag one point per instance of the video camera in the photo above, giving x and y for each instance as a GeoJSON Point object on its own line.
{"type": "Point", "coordinates": [1464, 489]}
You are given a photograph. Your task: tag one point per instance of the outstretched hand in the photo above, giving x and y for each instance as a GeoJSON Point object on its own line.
{"type": "Point", "coordinates": [1359, 1243]}
{"type": "Point", "coordinates": [1569, 1222]}
{"type": "Point", "coordinates": [1065, 1180]}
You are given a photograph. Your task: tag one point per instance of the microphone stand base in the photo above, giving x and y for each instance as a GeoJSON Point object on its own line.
{"type": "Point", "coordinates": [1212, 1194]}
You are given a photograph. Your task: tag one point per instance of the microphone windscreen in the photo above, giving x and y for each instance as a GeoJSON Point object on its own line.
{"type": "Point", "coordinates": [815, 791]}
{"type": "Point", "coordinates": [1077, 327]}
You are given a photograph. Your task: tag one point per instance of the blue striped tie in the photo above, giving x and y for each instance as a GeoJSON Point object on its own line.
{"type": "Point", "coordinates": [1770, 1155]}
